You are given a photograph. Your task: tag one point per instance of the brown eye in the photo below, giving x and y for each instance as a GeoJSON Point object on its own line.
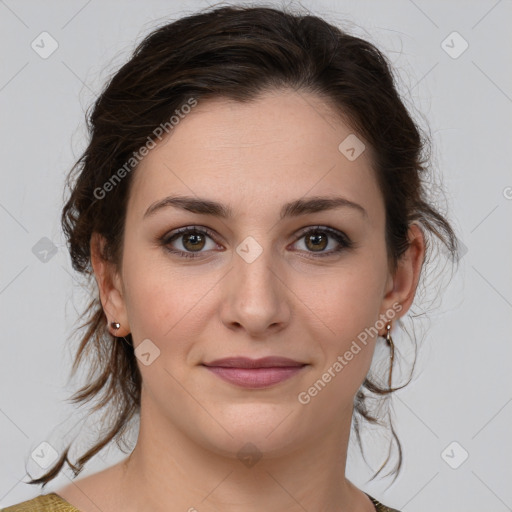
{"type": "Point", "coordinates": [317, 241]}
{"type": "Point", "coordinates": [190, 242]}
{"type": "Point", "coordinates": [193, 241]}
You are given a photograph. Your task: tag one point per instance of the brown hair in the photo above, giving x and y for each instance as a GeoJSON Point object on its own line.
{"type": "Point", "coordinates": [236, 53]}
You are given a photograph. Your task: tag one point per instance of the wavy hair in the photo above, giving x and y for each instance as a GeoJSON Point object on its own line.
{"type": "Point", "coordinates": [236, 53]}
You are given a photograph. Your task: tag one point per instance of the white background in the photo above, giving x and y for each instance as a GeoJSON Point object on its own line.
{"type": "Point", "coordinates": [462, 391]}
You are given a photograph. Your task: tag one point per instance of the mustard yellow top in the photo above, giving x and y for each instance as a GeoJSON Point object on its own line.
{"type": "Point", "coordinates": [45, 503]}
{"type": "Point", "coordinates": [52, 502]}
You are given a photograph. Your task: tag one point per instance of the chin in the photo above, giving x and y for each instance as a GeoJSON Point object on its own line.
{"type": "Point", "coordinates": [249, 446]}
{"type": "Point", "coordinates": [263, 428]}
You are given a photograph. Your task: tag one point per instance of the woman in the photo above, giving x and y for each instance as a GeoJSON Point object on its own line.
{"type": "Point", "coordinates": [252, 208]}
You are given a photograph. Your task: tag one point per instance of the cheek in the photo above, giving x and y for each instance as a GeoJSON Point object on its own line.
{"type": "Point", "coordinates": [347, 305]}
{"type": "Point", "coordinates": [162, 304]}
{"type": "Point", "coordinates": [349, 300]}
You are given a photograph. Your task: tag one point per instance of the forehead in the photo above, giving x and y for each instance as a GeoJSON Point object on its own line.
{"type": "Point", "coordinates": [281, 146]}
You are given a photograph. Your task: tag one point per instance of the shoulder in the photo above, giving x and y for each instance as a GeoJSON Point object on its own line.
{"type": "Point", "coordinates": [94, 493]}
{"type": "Point", "coordinates": [380, 507]}
{"type": "Point", "coordinates": [45, 503]}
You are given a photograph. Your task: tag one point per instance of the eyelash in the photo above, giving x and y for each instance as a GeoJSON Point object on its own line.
{"type": "Point", "coordinates": [341, 238]}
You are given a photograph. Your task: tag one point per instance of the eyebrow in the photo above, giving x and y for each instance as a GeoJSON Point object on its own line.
{"type": "Point", "coordinates": [295, 208]}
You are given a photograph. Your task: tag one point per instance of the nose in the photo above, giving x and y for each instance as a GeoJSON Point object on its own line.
{"type": "Point", "coordinates": [255, 297]}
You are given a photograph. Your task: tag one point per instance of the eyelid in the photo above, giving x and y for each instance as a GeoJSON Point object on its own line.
{"type": "Point", "coordinates": [170, 236]}
{"type": "Point", "coordinates": [341, 238]}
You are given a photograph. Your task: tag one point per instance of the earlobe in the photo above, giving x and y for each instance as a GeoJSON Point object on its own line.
{"type": "Point", "coordinates": [109, 287]}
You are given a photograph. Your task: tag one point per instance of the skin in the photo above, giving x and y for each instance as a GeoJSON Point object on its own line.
{"type": "Point", "coordinates": [252, 157]}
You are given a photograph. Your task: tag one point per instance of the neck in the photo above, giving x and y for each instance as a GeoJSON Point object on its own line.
{"type": "Point", "coordinates": [169, 470]}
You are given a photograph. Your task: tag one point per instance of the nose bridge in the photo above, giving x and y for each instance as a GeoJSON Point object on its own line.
{"type": "Point", "coordinates": [255, 266]}
{"type": "Point", "coordinates": [256, 299]}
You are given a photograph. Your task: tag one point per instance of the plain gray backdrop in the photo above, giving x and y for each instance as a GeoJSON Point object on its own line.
{"type": "Point", "coordinates": [453, 63]}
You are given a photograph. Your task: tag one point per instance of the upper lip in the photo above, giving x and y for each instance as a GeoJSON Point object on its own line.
{"type": "Point", "coordinates": [246, 362]}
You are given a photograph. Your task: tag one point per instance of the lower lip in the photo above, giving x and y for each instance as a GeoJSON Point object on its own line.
{"type": "Point", "coordinates": [255, 377]}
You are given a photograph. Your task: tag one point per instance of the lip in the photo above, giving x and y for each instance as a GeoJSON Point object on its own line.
{"type": "Point", "coordinates": [255, 373]}
{"type": "Point", "coordinates": [247, 362]}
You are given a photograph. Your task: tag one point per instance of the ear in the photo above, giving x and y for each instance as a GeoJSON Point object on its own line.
{"type": "Point", "coordinates": [401, 287]}
{"type": "Point", "coordinates": [110, 287]}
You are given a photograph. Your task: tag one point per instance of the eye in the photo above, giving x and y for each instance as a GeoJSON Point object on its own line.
{"type": "Point", "coordinates": [193, 240]}
{"type": "Point", "coordinates": [316, 240]}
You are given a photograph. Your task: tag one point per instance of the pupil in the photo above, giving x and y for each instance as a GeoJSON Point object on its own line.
{"type": "Point", "coordinates": [196, 241]}
{"type": "Point", "coordinates": [316, 239]}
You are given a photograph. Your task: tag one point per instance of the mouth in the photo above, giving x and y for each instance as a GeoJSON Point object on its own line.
{"type": "Point", "coordinates": [255, 373]}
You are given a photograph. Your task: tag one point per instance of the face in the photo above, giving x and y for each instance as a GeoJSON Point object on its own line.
{"type": "Point", "coordinates": [308, 285]}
